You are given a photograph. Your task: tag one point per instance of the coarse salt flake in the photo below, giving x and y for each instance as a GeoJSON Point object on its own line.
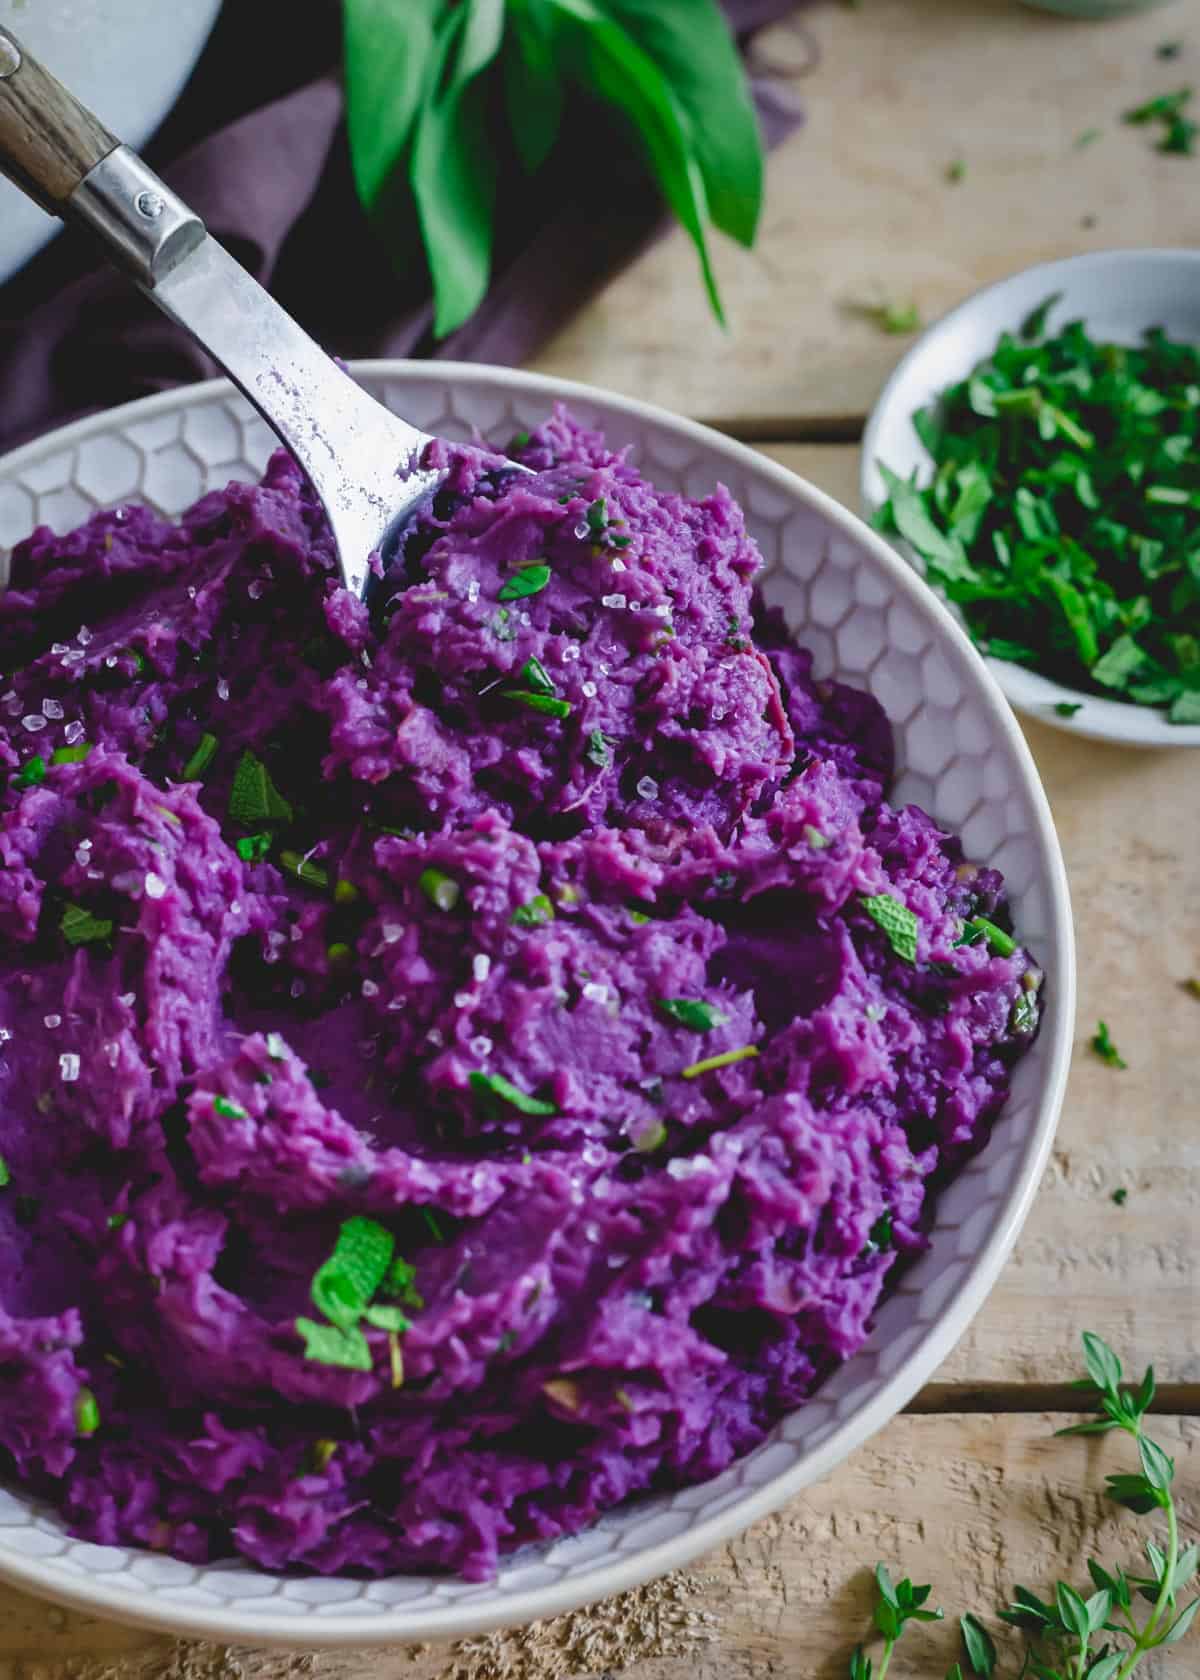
{"type": "Point", "coordinates": [370, 989]}
{"type": "Point", "coordinates": [51, 1021]}
{"type": "Point", "coordinates": [570, 653]}
{"type": "Point", "coordinates": [128, 999]}
{"type": "Point", "coordinates": [155, 885]}
{"type": "Point", "coordinates": [83, 635]}
{"type": "Point", "coordinates": [615, 601]}
{"type": "Point", "coordinates": [53, 710]}
{"type": "Point", "coordinates": [648, 787]}
{"type": "Point", "coordinates": [596, 992]}
{"type": "Point", "coordinates": [390, 932]}
{"type": "Point", "coordinates": [32, 722]}
{"type": "Point", "coordinates": [68, 1067]}
{"type": "Point", "coordinates": [589, 689]}
{"type": "Point", "coordinates": [73, 733]}
{"type": "Point", "coordinates": [473, 590]}
{"type": "Point", "coordinates": [222, 689]}
{"type": "Point", "coordinates": [481, 965]}
{"type": "Point", "coordinates": [481, 1046]}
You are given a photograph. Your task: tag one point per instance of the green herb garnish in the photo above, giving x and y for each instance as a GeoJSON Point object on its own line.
{"type": "Point", "coordinates": [999, 943]}
{"type": "Point", "coordinates": [451, 108]}
{"type": "Point", "coordinates": [1192, 986]}
{"type": "Point", "coordinates": [254, 798]}
{"type": "Point", "coordinates": [693, 1013]}
{"type": "Point", "coordinates": [547, 704]}
{"type": "Point", "coordinates": [320, 1455]}
{"type": "Point", "coordinates": [494, 1085]}
{"type": "Point", "coordinates": [1068, 708]}
{"type": "Point", "coordinates": [304, 869]}
{"type": "Point", "coordinates": [530, 580]}
{"type": "Point", "coordinates": [202, 757]}
{"type": "Point", "coordinates": [651, 1139]}
{"type": "Point", "coordinates": [898, 318]}
{"type": "Point", "coordinates": [71, 755]}
{"type": "Point", "coordinates": [956, 171]}
{"type": "Point", "coordinates": [430, 1218]}
{"type": "Point", "coordinates": [597, 517]}
{"type": "Point", "coordinates": [252, 848]}
{"type": "Point", "coordinates": [1104, 1047]}
{"type": "Point", "coordinates": [1119, 1196]}
{"type": "Point", "coordinates": [897, 921]}
{"type": "Point", "coordinates": [1178, 133]}
{"type": "Point", "coordinates": [598, 750]}
{"type": "Point", "coordinates": [31, 773]}
{"type": "Point", "coordinates": [895, 1606]}
{"type": "Point", "coordinates": [536, 913]}
{"type": "Point", "coordinates": [1086, 137]}
{"type": "Point", "coordinates": [229, 1110]}
{"type": "Point", "coordinates": [1062, 517]}
{"type": "Point", "coordinates": [879, 1237]}
{"type": "Point", "coordinates": [536, 678]}
{"type": "Point", "coordinates": [726, 1059]}
{"type": "Point", "coordinates": [440, 889]}
{"type": "Point", "coordinates": [87, 1412]}
{"type": "Point", "coordinates": [79, 927]}
{"type": "Point", "coordinates": [5, 1174]}
{"type": "Point", "coordinates": [343, 1288]}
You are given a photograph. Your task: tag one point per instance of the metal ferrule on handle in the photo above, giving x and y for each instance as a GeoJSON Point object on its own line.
{"type": "Point", "coordinates": [143, 223]}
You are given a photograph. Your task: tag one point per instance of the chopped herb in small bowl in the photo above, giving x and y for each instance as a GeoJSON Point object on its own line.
{"type": "Point", "coordinates": [1038, 453]}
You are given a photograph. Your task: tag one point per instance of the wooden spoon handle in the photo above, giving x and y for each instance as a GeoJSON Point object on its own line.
{"type": "Point", "coordinates": [48, 140]}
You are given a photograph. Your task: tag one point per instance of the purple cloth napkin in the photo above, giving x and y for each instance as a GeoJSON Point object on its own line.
{"type": "Point", "coordinates": [257, 147]}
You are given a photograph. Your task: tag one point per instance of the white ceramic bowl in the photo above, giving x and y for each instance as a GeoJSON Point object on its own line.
{"type": "Point", "coordinates": [1119, 294]}
{"type": "Point", "coordinates": [869, 620]}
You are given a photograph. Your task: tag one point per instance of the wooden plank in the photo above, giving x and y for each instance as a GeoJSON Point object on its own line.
{"type": "Point", "coordinates": [973, 1505]}
{"type": "Point", "coordinates": [1128, 820]}
{"type": "Point", "coordinates": [859, 207]}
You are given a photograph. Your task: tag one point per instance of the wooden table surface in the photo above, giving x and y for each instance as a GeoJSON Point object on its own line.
{"type": "Point", "coordinates": [966, 1490]}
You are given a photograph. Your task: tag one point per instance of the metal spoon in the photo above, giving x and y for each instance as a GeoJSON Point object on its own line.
{"type": "Point", "coordinates": [362, 460]}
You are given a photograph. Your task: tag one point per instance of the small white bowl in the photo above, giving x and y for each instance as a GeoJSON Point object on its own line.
{"type": "Point", "coordinates": [868, 620]}
{"type": "Point", "coordinates": [1119, 294]}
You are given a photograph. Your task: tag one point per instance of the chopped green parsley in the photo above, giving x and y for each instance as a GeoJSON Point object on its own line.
{"type": "Point", "coordinates": [5, 1174]}
{"type": "Point", "coordinates": [87, 1412]}
{"type": "Point", "coordinates": [1000, 944]}
{"type": "Point", "coordinates": [1104, 1047]}
{"type": "Point", "coordinates": [599, 750]}
{"type": "Point", "coordinates": [71, 755]}
{"type": "Point", "coordinates": [31, 773]}
{"type": "Point", "coordinates": [229, 1110]}
{"type": "Point", "coordinates": [252, 848]}
{"type": "Point", "coordinates": [549, 705]}
{"type": "Point", "coordinates": [440, 889]}
{"type": "Point", "coordinates": [726, 1059]}
{"type": "Point", "coordinates": [536, 913]}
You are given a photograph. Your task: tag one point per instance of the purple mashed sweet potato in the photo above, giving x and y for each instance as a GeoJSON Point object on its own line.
{"type": "Point", "coordinates": [464, 1065]}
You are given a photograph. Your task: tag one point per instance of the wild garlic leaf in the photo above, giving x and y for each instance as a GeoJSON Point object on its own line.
{"type": "Point", "coordinates": [387, 46]}
{"type": "Point", "coordinates": [452, 168]}
{"type": "Point", "coordinates": [609, 61]}
{"type": "Point", "coordinates": [533, 85]}
{"type": "Point", "coordinates": [691, 43]}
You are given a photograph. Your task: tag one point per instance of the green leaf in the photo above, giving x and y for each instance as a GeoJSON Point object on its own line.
{"type": "Point", "coordinates": [1107, 1667]}
{"type": "Point", "coordinates": [1098, 1607]}
{"type": "Point", "coordinates": [690, 42]}
{"type": "Point", "coordinates": [532, 83]}
{"type": "Point", "coordinates": [618, 69]}
{"type": "Point", "coordinates": [252, 848]}
{"type": "Point", "coordinates": [1185, 708]}
{"type": "Point", "coordinates": [536, 913]}
{"type": "Point", "coordinates": [31, 773]}
{"type": "Point", "coordinates": [1115, 667]}
{"type": "Point", "coordinates": [1075, 613]}
{"type": "Point", "coordinates": [5, 1174]}
{"type": "Point", "coordinates": [1103, 1366]}
{"type": "Point", "coordinates": [1102, 1044]}
{"type": "Point", "coordinates": [387, 1318]}
{"type": "Point", "coordinates": [1072, 1611]}
{"type": "Point", "coordinates": [1116, 1584]}
{"type": "Point", "coordinates": [329, 1344]}
{"type": "Point", "coordinates": [887, 1619]}
{"type": "Point", "coordinates": [981, 1651]}
{"type": "Point", "coordinates": [535, 677]}
{"type": "Point", "coordinates": [254, 798]}
{"type": "Point", "coordinates": [897, 922]}
{"type": "Point", "coordinates": [442, 890]}
{"type": "Point", "coordinates": [80, 927]}
{"type": "Point", "coordinates": [387, 49]}
{"type": "Point", "coordinates": [494, 1085]}
{"type": "Point", "coordinates": [1001, 944]}
{"type": "Point", "coordinates": [71, 755]}
{"type": "Point", "coordinates": [530, 580]}
{"type": "Point", "coordinates": [1157, 1467]}
{"type": "Point", "coordinates": [860, 1665]}
{"type": "Point", "coordinates": [548, 705]}
{"type": "Point", "coordinates": [87, 1412]}
{"type": "Point", "coordinates": [1185, 1567]}
{"type": "Point", "coordinates": [452, 169]}
{"type": "Point", "coordinates": [599, 750]}
{"type": "Point", "coordinates": [916, 527]}
{"type": "Point", "coordinates": [1182, 1623]}
{"type": "Point", "coordinates": [1134, 1492]}
{"type": "Point", "coordinates": [693, 1013]}
{"type": "Point", "coordinates": [344, 1285]}
{"type": "Point", "coordinates": [1034, 324]}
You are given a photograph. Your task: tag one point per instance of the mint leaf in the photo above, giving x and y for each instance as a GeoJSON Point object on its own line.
{"type": "Point", "coordinates": [80, 927]}
{"type": "Point", "coordinates": [529, 580]}
{"type": "Point", "coordinates": [897, 921]}
{"type": "Point", "coordinates": [254, 798]}
{"type": "Point", "coordinates": [329, 1344]}
{"type": "Point", "coordinates": [693, 1013]}
{"type": "Point", "coordinates": [344, 1285]}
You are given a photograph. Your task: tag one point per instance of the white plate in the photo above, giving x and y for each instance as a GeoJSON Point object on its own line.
{"type": "Point", "coordinates": [1119, 294]}
{"type": "Point", "coordinates": [870, 621]}
{"type": "Point", "coordinates": [127, 59]}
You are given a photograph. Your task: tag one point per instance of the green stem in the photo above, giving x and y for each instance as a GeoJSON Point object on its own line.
{"type": "Point", "coordinates": [889, 1645]}
{"type": "Point", "coordinates": [1146, 1638]}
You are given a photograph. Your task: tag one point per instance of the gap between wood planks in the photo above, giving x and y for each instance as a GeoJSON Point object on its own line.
{"type": "Point", "coordinates": [830, 428]}
{"type": "Point", "coordinates": [1179, 1399]}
